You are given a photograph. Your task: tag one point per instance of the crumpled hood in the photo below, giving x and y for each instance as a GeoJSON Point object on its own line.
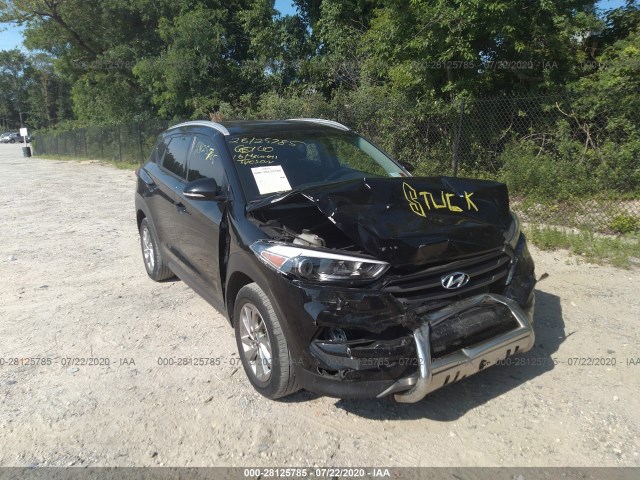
{"type": "Point", "coordinates": [416, 220]}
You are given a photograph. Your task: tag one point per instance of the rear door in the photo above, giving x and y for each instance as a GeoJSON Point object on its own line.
{"type": "Point", "coordinates": [197, 222]}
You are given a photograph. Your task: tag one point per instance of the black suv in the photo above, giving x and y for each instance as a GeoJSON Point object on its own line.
{"type": "Point", "coordinates": [340, 272]}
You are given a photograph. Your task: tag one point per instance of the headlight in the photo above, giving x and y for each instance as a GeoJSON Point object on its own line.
{"type": "Point", "coordinates": [318, 265]}
{"type": "Point", "coordinates": [513, 234]}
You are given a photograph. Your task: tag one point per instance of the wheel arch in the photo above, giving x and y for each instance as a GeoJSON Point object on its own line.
{"type": "Point", "coordinates": [140, 215]}
{"type": "Point", "coordinates": [236, 282]}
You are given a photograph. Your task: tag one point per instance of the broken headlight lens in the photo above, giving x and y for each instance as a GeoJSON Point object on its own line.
{"type": "Point", "coordinates": [513, 234]}
{"type": "Point", "coordinates": [318, 265]}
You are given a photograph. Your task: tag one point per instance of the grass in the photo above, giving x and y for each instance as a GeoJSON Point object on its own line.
{"type": "Point", "coordinates": [124, 165]}
{"type": "Point", "coordinates": [620, 252]}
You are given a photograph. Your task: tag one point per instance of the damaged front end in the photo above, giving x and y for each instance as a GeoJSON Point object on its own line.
{"type": "Point", "coordinates": [390, 296]}
{"type": "Point", "coordinates": [479, 313]}
{"type": "Point", "coordinates": [364, 338]}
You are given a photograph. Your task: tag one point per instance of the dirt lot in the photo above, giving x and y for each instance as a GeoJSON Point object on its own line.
{"type": "Point", "coordinates": [74, 286]}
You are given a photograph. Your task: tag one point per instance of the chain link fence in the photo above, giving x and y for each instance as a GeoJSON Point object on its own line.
{"type": "Point", "coordinates": [117, 143]}
{"type": "Point", "coordinates": [567, 162]}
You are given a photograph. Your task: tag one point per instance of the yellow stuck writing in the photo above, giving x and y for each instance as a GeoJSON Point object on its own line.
{"type": "Point", "coordinates": [421, 202]}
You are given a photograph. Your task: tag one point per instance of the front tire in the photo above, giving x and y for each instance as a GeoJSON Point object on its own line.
{"type": "Point", "coordinates": [262, 345]}
{"type": "Point", "coordinates": [156, 269]}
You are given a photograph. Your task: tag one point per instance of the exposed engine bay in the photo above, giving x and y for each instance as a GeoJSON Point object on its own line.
{"type": "Point", "coordinates": [303, 224]}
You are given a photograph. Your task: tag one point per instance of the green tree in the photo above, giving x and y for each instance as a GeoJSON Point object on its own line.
{"type": "Point", "coordinates": [280, 47]}
{"type": "Point", "coordinates": [48, 94]}
{"type": "Point", "coordinates": [200, 62]}
{"type": "Point", "coordinates": [339, 29]}
{"type": "Point", "coordinates": [128, 58]}
{"type": "Point", "coordinates": [438, 48]}
{"type": "Point", "coordinates": [606, 114]}
{"type": "Point", "coordinates": [95, 44]}
{"type": "Point", "coordinates": [14, 80]}
{"type": "Point", "coordinates": [619, 24]}
{"type": "Point", "coordinates": [122, 60]}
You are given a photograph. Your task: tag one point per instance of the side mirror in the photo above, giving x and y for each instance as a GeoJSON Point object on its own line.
{"type": "Point", "coordinates": [407, 166]}
{"type": "Point", "coordinates": [203, 189]}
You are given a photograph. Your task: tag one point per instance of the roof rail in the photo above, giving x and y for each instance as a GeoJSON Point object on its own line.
{"type": "Point", "coordinates": [329, 123]}
{"type": "Point", "coordinates": [204, 123]}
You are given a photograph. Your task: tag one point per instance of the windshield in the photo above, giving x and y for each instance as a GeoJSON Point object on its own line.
{"type": "Point", "coordinates": [281, 162]}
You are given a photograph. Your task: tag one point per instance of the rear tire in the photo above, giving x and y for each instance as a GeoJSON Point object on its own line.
{"type": "Point", "coordinates": [156, 268]}
{"type": "Point", "coordinates": [262, 345]}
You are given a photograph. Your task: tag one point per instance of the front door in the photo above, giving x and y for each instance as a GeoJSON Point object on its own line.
{"type": "Point", "coordinates": [197, 222]}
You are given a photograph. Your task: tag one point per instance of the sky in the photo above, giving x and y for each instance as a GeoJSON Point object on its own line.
{"type": "Point", "coordinates": [11, 35]}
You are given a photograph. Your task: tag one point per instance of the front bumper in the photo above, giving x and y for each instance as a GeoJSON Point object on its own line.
{"type": "Point", "coordinates": [421, 359]}
{"type": "Point", "coordinates": [366, 343]}
{"type": "Point", "coordinates": [436, 373]}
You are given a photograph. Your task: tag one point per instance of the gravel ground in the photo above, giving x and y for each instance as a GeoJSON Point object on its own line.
{"type": "Point", "coordinates": [74, 286]}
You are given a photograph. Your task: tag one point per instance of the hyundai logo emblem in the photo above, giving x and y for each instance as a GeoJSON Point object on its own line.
{"type": "Point", "coordinates": [454, 280]}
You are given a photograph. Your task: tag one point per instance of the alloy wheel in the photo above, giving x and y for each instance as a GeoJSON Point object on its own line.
{"type": "Point", "coordinates": [256, 346]}
{"type": "Point", "coordinates": [147, 249]}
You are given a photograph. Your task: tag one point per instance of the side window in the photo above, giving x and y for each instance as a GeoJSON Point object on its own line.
{"type": "Point", "coordinates": [175, 158]}
{"type": "Point", "coordinates": [205, 161]}
{"type": "Point", "coordinates": [161, 148]}
{"type": "Point", "coordinates": [313, 154]}
{"type": "Point", "coordinates": [351, 153]}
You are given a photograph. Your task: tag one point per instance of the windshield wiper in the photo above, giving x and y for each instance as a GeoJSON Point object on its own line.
{"type": "Point", "coordinates": [269, 200]}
